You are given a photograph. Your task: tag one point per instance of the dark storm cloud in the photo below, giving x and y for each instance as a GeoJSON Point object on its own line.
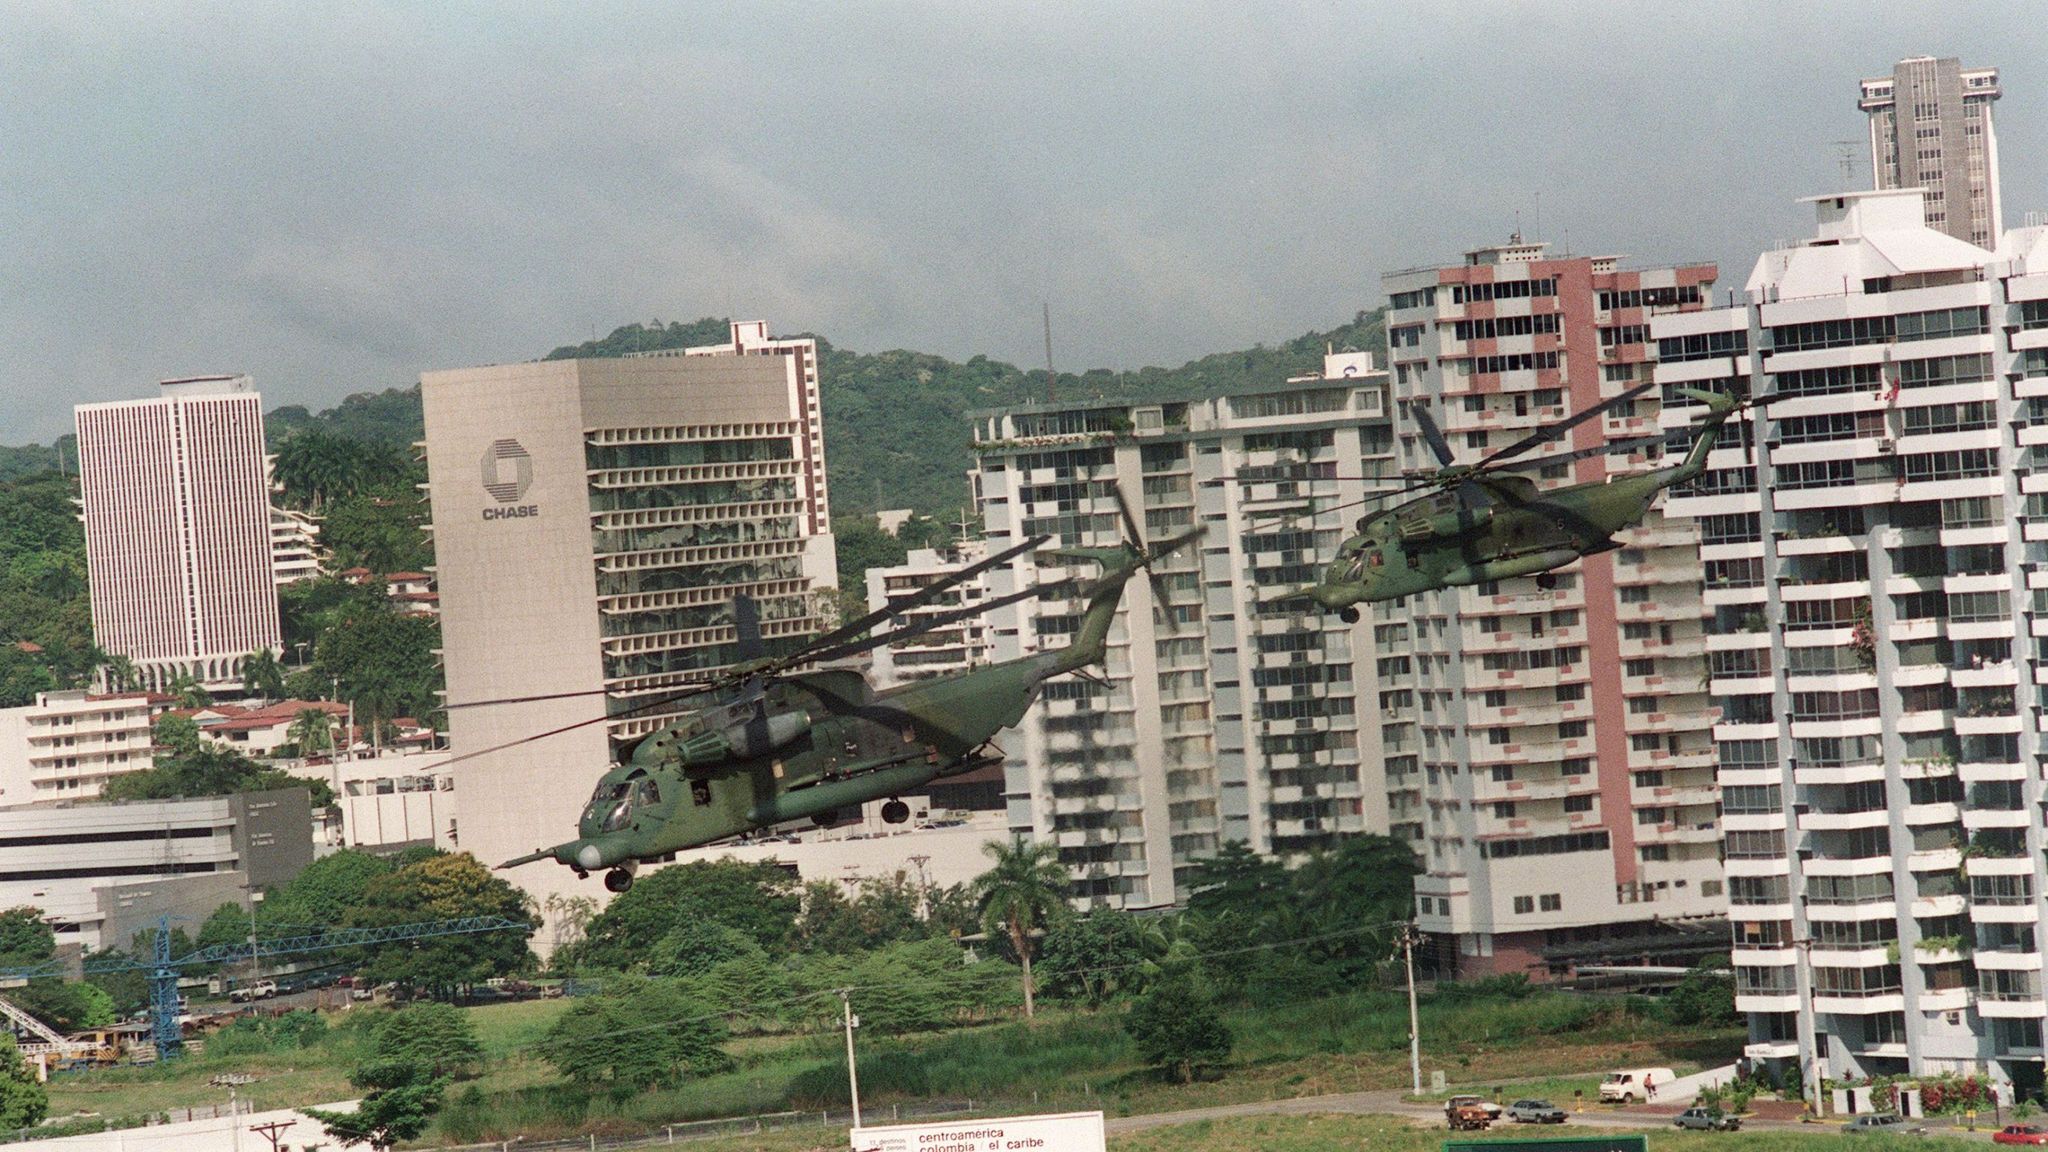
{"type": "Point", "coordinates": [335, 198]}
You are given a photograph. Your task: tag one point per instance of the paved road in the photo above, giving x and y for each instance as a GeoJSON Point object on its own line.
{"type": "Point", "coordinates": [1392, 1103]}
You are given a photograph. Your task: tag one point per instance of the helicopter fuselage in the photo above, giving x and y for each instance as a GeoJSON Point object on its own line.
{"type": "Point", "coordinates": [1446, 539]}
{"type": "Point", "coordinates": [810, 745]}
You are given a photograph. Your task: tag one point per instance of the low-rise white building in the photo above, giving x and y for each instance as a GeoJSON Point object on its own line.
{"type": "Point", "coordinates": [942, 651]}
{"type": "Point", "coordinates": [295, 552]}
{"type": "Point", "coordinates": [67, 745]}
{"type": "Point", "coordinates": [98, 870]}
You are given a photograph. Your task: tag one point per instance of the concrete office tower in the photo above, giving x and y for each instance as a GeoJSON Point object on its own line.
{"type": "Point", "coordinates": [593, 521]}
{"type": "Point", "coordinates": [1930, 128]}
{"type": "Point", "coordinates": [942, 651]}
{"type": "Point", "coordinates": [1872, 560]}
{"type": "Point", "coordinates": [1217, 718]}
{"type": "Point", "coordinates": [1564, 800]}
{"type": "Point", "coordinates": [177, 529]}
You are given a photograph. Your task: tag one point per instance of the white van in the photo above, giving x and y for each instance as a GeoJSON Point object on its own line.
{"type": "Point", "coordinates": [1633, 1085]}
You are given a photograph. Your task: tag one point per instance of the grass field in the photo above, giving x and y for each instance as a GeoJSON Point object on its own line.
{"type": "Point", "coordinates": [1066, 1060]}
{"type": "Point", "coordinates": [1375, 1133]}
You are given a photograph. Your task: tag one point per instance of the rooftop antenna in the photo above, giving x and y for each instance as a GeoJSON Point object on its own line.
{"type": "Point", "coordinates": [1845, 157]}
{"type": "Point", "coordinates": [1052, 379]}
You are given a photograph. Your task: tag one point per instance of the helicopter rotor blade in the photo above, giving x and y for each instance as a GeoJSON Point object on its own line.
{"type": "Point", "coordinates": [1133, 535]}
{"type": "Point", "coordinates": [1633, 444]}
{"type": "Point", "coordinates": [930, 623]}
{"type": "Point", "coordinates": [922, 597]}
{"type": "Point", "coordinates": [1291, 517]}
{"type": "Point", "coordinates": [1431, 434]}
{"type": "Point", "coordinates": [1556, 430]}
{"type": "Point", "coordinates": [746, 619]}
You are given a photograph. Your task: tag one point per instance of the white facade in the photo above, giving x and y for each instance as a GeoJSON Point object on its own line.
{"type": "Point", "coordinates": [593, 521]}
{"type": "Point", "coordinates": [1222, 718]}
{"type": "Point", "coordinates": [67, 860]}
{"type": "Point", "coordinates": [386, 798]}
{"type": "Point", "coordinates": [295, 553]}
{"type": "Point", "coordinates": [1554, 763]}
{"type": "Point", "coordinates": [943, 651]}
{"type": "Point", "coordinates": [1872, 557]}
{"type": "Point", "coordinates": [67, 745]}
{"type": "Point", "coordinates": [178, 529]}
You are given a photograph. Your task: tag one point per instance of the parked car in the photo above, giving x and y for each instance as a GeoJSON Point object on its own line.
{"type": "Point", "coordinates": [1634, 1085]}
{"type": "Point", "coordinates": [1877, 1122]}
{"type": "Point", "coordinates": [1491, 1109]}
{"type": "Point", "coordinates": [2020, 1134]}
{"type": "Point", "coordinates": [1470, 1117]}
{"type": "Point", "coordinates": [1706, 1120]}
{"type": "Point", "coordinates": [1535, 1112]}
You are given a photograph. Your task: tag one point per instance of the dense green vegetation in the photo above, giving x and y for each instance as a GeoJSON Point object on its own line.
{"type": "Point", "coordinates": [45, 623]}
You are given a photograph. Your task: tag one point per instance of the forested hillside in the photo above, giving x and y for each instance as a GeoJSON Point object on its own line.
{"type": "Point", "coordinates": [896, 431]}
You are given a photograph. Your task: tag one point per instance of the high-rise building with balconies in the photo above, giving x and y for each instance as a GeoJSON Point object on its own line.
{"type": "Point", "coordinates": [1217, 718]}
{"type": "Point", "coordinates": [1873, 546]}
{"type": "Point", "coordinates": [593, 522]}
{"type": "Point", "coordinates": [1930, 128]}
{"type": "Point", "coordinates": [1565, 797]}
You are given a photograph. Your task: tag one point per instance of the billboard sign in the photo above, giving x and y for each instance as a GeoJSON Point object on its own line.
{"type": "Point", "coordinates": [1066, 1132]}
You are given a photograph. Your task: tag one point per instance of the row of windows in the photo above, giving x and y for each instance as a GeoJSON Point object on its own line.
{"type": "Point", "coordinates": [1544, 325]}
{"type": "Point", "coordinates": [1595, 841]}
{"type": "Point", "coordinates": [1650, 297]}
{"type": "Point", "coordinates": [1504, 290]}
{"type": "Point", "coordinates": [1704, 346]}
{"type": "Point", "coordinates": [1489, 365]}
{"type": "Point", "coordinates": [1934, 325]}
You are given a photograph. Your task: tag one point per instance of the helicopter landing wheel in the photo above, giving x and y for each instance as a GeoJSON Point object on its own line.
{"type": "Point", "coordinates": [618, 880]}
{"type": "Point", "coordinates": [895, 812]}
{"type": "Point", "coordinates": [580, 873]}
{"type": "Point", "coordinates": [1546, 580]}
{"type": "Point", "coordinates": [826, 819]}
{"type": "Point", "coordinates": [1348, 615]}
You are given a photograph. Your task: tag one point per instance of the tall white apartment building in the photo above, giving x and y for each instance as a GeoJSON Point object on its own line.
{"type": "Point", "coordinates": [1559, 780]}
{"type": "Point", "coordinates": [177, 529]}
{"type": "Point", "coordinates": [1930, 128]}
{"type": "Point", "coordinates": [67, 745]}
{"type": "Point", "coordinates": [1217, 718]}
{"type": "Point", "coordinates": [593, 521]}
{"type": "Point", "coordinates": [1874, 558]}
{"type": "Point", "coordinates": [944, 650]}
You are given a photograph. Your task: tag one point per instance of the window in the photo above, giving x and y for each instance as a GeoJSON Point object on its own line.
{"type": "Point", "coordinates": [1639, 667]}
{"type": "Point", "coordinates": [1496, 698]}
{"type": "Point", "coordinates": [1551, 903]}
{"type": "Point", "coordinates": [1578, 803]}
{"type": "Point", "coordinates": [1571, 730]}
{"type": "Point", "coordinates": [1504, 810]}
{"type": "Point", "coordinates": [1524, 905]}
{"type": "Point", "coordinates": [1704, 346]}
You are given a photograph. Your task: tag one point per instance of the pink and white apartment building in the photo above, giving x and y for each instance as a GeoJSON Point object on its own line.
{"type": "Point", "coordinates": [1557, 775]}
{"type": "Point", "coordinates": [177, 529]}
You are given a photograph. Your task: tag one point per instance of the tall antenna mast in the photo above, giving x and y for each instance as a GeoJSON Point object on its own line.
{"type": "Point", "coordinates": [1052, 379]}
{"type": "Point", "coordinates": [1845, 156]}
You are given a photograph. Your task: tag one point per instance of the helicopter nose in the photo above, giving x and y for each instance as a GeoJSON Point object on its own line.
{"type": "Point", "coordinates": [589, 857]}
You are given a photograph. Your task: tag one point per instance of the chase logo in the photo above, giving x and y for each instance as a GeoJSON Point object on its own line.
{"type": "Point", "coordinates": [507, 470]}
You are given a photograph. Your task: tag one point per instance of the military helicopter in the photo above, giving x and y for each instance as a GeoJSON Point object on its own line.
{"type": "Point", "coordinates": [1485, 523]}
{"type": "Point", "coordinates": [776, 745]}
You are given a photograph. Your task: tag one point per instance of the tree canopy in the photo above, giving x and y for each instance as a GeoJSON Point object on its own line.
{"type": "Point", "coordinates": [1025, 889]}
{"type": "Point", "coordinates": [25, 939]}
{"type": "Point", "coordinates": [192, 766]}
{"type": "Point", "coordinates": [638, 1034]}
{"type": "Point", "coordinates": [442, 887]}
{"type": "Point", "coordinates": [759, 900]}
{"type": "Point", "coordinates": [23, 1101]}
{"type": "Point", "coordinates": [400, 1098]}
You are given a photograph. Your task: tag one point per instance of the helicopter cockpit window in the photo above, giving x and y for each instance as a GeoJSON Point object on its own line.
{"type": "Point", "coordinates": [646, 792]}
{"type": "Point", "coordinates": [700, 791]}
{"type": "Point", "coordinates": [614, 801]}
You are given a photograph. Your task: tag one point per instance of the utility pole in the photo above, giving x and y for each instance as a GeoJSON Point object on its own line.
{"type": "Point", "coordinates": [852, 1077]}
{"type": "Point", "coordinates": [1414, 1020]}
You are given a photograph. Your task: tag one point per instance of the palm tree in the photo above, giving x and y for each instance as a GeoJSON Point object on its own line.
{"type": "Point", "coordinates": [312, 730]}
{"type": "Point", "coordinates": [189, 691]}
{"type": "Point", "coordinates": [262, 675]}
{"type": "Point", "coordinates": [1026, 887]}
{"type": "Point", "coordinates": [120, 672]}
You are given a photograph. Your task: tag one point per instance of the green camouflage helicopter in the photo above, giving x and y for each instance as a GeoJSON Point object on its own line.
{"type": "Point", "coordinates": [1485, 523]}
{"type": "Point", "coordinates": [777, 745]}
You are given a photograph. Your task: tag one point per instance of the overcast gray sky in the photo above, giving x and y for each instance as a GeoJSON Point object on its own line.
{"type": "Point", "coordinates": [334, 197]}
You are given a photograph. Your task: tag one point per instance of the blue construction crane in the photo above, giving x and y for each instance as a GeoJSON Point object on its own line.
{"type": "Point", "coordinates": [163, 968]}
